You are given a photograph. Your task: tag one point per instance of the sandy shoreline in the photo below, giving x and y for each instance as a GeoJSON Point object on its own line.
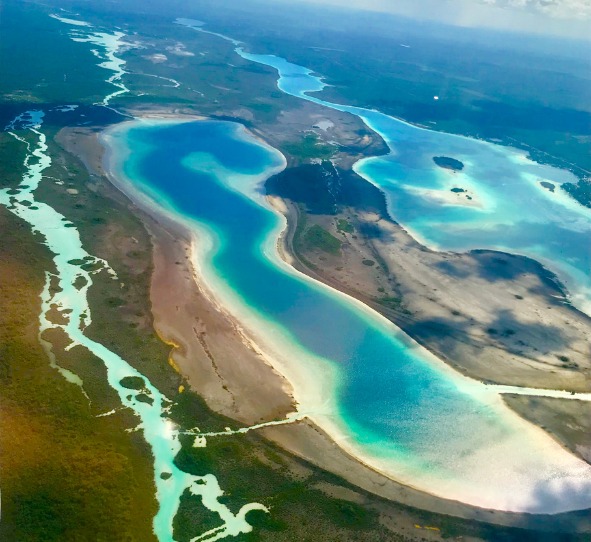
{"type": "Point", "coordinates": [208, 341]}
{"type": "Point", "coordinates": [496, 317]}
{"type": "Point", "coordinates": [208, 365]}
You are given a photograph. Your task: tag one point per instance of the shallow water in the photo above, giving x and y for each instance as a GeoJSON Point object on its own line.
{"type": "Point", "coordinates": [510, 210]}
{"type": "Point", "coordinates": [388, 399]}
{"type": "Point", "coordinates": [425, 396]}
{"type": "Point", "coordinates": [70, 299]}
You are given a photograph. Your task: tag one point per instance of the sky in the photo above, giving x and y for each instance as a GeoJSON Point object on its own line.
{"type": "Point", "coordinates": [570, 18]}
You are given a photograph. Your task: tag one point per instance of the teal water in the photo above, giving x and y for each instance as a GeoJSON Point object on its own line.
{"type": "Point", "coordinates": [391, 401]}
{"type": "Point", "coordinates": [70, 299]}
{"type": "Point", "coordinates": [510, 210]}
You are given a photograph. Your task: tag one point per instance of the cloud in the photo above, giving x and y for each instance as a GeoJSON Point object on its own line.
{"type": "Point", "coordinates": [565, 18]}
{"type": "Point", "coordinates": [558, 9]}
{"type": "Point", "coordinates": [561, 9]}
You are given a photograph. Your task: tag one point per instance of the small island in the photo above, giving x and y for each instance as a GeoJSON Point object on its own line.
{"type": "Point", "coordinates": [448, 163]}
{"type": "Point", "coordinates": [548, 186]}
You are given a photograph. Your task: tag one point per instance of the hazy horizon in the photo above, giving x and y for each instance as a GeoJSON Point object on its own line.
{"type": "Point", "coordinates": [563, 18]}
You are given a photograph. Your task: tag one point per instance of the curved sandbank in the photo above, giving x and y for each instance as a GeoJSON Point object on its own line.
{"type": "Point", "coordinates": [378, 394]}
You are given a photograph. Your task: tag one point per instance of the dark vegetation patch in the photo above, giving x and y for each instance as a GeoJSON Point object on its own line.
{"type": "Point", "coordinates": [11, 165]}
{"type": "Point", "coordinates": [115, 302]}
{"type": "Point", "coordinates": [581, 191]}
{"type": "Point", "coordinates": [446, 162]}
{"type": "Point", "coordinates": [144, 398]}
{"type": "Point", "coordinates": [133, 382]}
{"type": "Point", "coordinates": [316, 237]}
{"type": "Point", "coordinates": [80, 281]}
{"type": "Point", "coordinates": [326, 190]}
{"type": "Point", "coordinates": [57, 447]}
{"type": "Point", "coordinates": [308, 185]}
{"type": "Point", "coordinates": [191, 513]}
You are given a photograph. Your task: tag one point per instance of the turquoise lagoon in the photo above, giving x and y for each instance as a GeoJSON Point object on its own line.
{"type": "Point", "coordinates": [379, 394]}
{"type": "Point", "coordinates": [66, 291]}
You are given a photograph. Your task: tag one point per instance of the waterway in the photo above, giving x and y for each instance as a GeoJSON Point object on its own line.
{"type": "Point", "coordinates": [504, 205]}
{"type": "Point", "coordinates": [66, 291]}
{"type": "Point", "coordinates": [381, 395]}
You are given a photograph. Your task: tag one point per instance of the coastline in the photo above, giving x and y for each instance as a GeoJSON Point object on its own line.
{"type": "Point", "coordinates": [379, 485]}
{"type": "Point", "coordinates": [378, 122]}
{"type": "Point", "coordinates": [223, 397]}
{"type": "Point", "coordinates": [578, 294]}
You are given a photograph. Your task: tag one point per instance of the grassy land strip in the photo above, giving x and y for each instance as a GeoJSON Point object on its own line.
{"type": "Point", "coordinates": [317, 237]}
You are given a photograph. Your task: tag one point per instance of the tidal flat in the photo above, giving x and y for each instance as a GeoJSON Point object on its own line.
{"type": "Point", "coordinates": [181, 308]}
{"type": "Point", "coordinates": [504, 180]}
{"type": "Point", "coordinates": [248, 465]}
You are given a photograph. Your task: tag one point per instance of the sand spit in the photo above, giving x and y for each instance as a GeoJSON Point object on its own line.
{"type": "Point", "coordinates": [209, 343]}
{"type": "Point", "coordinates": [495, 317]}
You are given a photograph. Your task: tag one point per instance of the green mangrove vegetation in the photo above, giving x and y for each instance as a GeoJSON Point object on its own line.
{"type": "Point", "coordinates": [581, 191]}
{"type": "Point", "coordinates": [317, 237]}
{"type": "Point", "coordinates": [66, 474]}
{"type": "Point", "coordinates": [309, 147]}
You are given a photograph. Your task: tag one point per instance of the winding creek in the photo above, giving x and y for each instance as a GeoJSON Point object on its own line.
{"type": "Point", "coordinates": [420, 422]}
{"type": "Point", "coordinates": [66, 290]}
{"type": "Point", "coordinates": [72, 280]}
